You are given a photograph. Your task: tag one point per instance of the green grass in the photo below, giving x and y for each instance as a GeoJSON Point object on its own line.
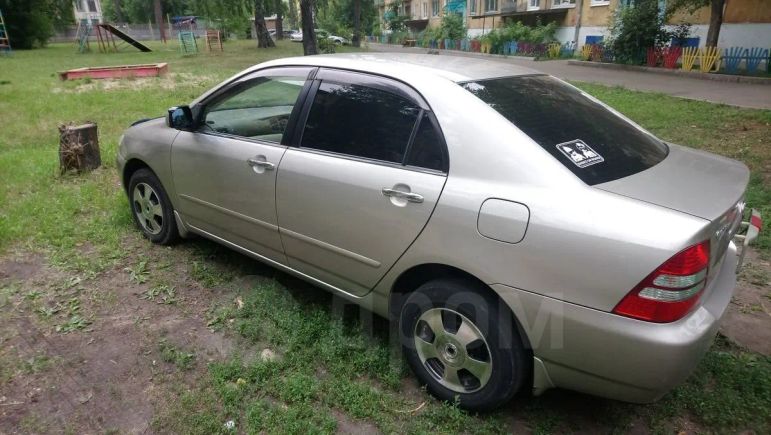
{"type": "Point", "coordinates": [328, 365]}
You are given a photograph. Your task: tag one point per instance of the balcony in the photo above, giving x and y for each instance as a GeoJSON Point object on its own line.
{"type": "Point", "coordinates": [508, 6]}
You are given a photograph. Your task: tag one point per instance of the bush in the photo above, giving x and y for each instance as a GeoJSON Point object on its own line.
{"type": "Point", "coordinates": [519, 32]}
{"type": "Point", "coordinates": [452, 27]}
{"type": "Point", "coordinates": [30, 23]}
{"type": "Point", "coordinates": [634, 29]}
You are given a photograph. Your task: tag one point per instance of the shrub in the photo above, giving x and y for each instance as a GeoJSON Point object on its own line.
{"type": "Point", "coordinates": [452, 27]}
{"type": "Point", "coordinates": [633, 29]}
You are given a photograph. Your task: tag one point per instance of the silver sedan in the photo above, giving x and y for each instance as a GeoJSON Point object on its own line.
{"type": "Point", "coordinates": [520, 233]}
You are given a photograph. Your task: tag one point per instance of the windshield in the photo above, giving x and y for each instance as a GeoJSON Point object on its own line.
{"type": "Point", "coordinates": [590, 140]}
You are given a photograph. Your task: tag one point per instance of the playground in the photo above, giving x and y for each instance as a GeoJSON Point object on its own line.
{"type": "Point", "coordinates": [101, 331]}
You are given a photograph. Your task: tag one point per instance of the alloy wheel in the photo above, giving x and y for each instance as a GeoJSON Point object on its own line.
{"type": "Point", "coordinates": [453, 350]}
{"type": "Point", "coordinates": [148, 208]}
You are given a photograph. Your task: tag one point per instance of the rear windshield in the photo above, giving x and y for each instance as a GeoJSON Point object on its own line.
{"type": "Point", "coordinates": [587, 138]}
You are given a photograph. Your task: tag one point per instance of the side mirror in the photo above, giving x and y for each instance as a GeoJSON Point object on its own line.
{"type": "Point", "coordinates": [180, 117]}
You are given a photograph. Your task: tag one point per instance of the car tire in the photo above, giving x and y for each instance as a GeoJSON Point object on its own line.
{"type": "Point", "coordinates": [485, 351]}
{"type": "Point", "coordinates": [151, 209]}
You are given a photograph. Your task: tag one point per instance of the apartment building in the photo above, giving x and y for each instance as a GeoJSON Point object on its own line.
{"type": "Point", "coordinates": [745, 22]}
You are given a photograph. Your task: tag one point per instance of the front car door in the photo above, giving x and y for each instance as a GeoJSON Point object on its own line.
{"type": "Point", "coordinates": [362, 180]}
{"type": "Point", "coordinates": [225, 171]}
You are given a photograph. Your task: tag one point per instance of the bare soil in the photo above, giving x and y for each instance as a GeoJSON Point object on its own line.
{"type": "Point", "coordinates": [110, 375]}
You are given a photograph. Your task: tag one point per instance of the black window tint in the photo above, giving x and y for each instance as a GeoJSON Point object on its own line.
{"type": "Point", "coordinates": [427, 150]}
{"type": "Point", "coordinates": [360, 121]}
{"type": "Point", "coordinates": [594, 143]}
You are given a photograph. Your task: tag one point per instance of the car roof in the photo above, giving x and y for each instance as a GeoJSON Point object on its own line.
{"type": "Point", "coordinates": [403, 65]}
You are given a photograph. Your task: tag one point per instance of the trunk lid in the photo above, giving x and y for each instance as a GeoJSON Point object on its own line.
{"type": "Point", "coordinates": [691, 181]}
{"type": "Point", "coordinates": [698, 183]}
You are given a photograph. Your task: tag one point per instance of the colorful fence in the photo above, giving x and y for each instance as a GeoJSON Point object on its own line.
{"type": "Point", "coordinates": [508, 48]}
{"type": "Point", "coordinates": [708, 59]}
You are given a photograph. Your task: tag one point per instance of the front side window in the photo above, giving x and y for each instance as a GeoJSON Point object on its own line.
{"type": "Point", "coordinates": [258, 109]}
{"type": "Point", "coordinates": [534, 5]}
{"type": "Point", "coordinates": [472, 7]}
{"type": "Point", "coordinates": [435, 8]}
{"type": "Point", "coordinates": [591, 141]}
{"type": "Point", "coordinates": [491, 5]}
{"type": "Point", "coordinates": [563, 3]}
{"type": "Point", "coordinates": [360, 121]}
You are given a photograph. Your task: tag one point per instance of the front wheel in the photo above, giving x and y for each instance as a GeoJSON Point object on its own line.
{"type": "Point", "coordinates": [462, 342]}
{"type": "Point", "coordinates": [151, 208]}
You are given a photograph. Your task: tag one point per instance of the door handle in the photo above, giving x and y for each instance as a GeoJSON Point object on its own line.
{"type": "Point", "coordinates": [260, 164]}
{"type": "Point", "coordinates": [409, 196]}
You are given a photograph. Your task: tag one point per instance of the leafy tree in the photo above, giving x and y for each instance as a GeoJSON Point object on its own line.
{"type": "Point", "coordinates": [31, 23]}
{"type": "Point", "coordinates": [715, 15]}
{"type": "Point", "coordinates": [394, 20]}
{"type": "Point", "coordinates": [294, 21]}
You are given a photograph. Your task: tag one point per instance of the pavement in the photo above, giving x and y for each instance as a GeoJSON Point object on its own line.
{"type": "Point", "coordinates": [756, 96]}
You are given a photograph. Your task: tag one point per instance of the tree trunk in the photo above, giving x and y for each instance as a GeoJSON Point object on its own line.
{"type": "Point", "coordinates": [263, 37]}
{"type": "Point", "coordinates": [279, 20]}
{"type": "Point", "coordinates": [159, 19]}
{"type": "Point", "coordinates": [118, 11]}
{"type": "Point", "coordinates": [715, 21]}
{"type": "Point", "coordinates": [293, 14]}
{"type": "Point", "coordinates": [79, 147]}
{"type": "Point", "coordinates": [309, 34]}
{"type": "Point", "coordinates": [356, 40]}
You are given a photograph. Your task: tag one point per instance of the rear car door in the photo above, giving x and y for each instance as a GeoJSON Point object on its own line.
{"type": "Point", "coordinates": [225, 171]}
{"type": "Point", "coordinates": [361, 181]}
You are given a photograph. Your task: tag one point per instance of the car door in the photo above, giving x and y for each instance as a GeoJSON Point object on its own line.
{"type": "Point", "coordinates": [225, 171]}
{"type": "Point", "coordinates": [362, 180]}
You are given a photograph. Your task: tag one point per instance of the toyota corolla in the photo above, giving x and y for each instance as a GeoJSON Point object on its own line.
{"type": "Point", "coordinates": [520, 233]}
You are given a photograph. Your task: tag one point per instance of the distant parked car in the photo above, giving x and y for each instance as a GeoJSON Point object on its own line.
{"type": "Point", "coordinates": [321, 34]}
{"type": "Point", "coordinates": [521, 234]}
{"type": "Point", "coordinates": [296, 37]}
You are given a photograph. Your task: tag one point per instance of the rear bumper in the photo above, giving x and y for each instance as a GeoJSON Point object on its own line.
{"type": "Point", "coordinates": [607, 355]}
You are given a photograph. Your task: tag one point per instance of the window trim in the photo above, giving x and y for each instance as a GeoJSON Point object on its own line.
{"type": "Point", "coordinates": [387, 84]}
{"type": "Point", "coordinates": [563, 4]}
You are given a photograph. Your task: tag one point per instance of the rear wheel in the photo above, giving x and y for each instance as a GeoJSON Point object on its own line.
{"type": "Point", "coordinates": [151, 208]}
{"type": "Point", "coordinates": [462, 342]}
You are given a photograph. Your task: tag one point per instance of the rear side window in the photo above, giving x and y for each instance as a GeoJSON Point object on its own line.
{"type": "Point", "coordinates": [590, 140]}
{"type": "Point", "coordinates": [427, 148]}
{"type": "Point", "coordinates": [360, 121]}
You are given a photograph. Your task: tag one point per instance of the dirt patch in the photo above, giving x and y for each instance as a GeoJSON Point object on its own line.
{"type": "Point", "coordinates": [167, 82]}
{"type": "Point", "coordinates": [20, 269]}
{"type": "Point", "coordinates": [747, 321]}
{"type": "Point", "coordinates": [106, 375]}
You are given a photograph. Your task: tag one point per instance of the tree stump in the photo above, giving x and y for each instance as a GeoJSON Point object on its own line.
{"type": "Point", "coordinates": [79, 147]}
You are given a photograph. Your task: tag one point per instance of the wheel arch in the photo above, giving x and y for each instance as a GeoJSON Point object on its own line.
{"type": "Point", "coordinates": [131, 166]}
{"type": "Point", "coordinates": [417, 275]}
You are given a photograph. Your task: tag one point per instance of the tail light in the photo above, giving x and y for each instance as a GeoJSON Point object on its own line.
{"type": "Point", "coordinates": [672, 290]}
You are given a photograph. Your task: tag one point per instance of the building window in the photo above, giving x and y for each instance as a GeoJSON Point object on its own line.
{"type": "Point", "coordinates": [491, 5]}
{"type": "Point", "coordinates": [434, 8]}
{"type": "Point", "coordinates": [600, 3]}
{"type": "Point", "coordinates": [79, 5]}
{"type": "Point", "coordinates": [533, 5]}
{"type": "Point", "coordinates": [563, 3]}
{"type": "Point", "coordinates": [472, 7]}
{"type": "Point", "coordinates": [92, 6]}
{"type": "Point", "coordinates": [424, 10]}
